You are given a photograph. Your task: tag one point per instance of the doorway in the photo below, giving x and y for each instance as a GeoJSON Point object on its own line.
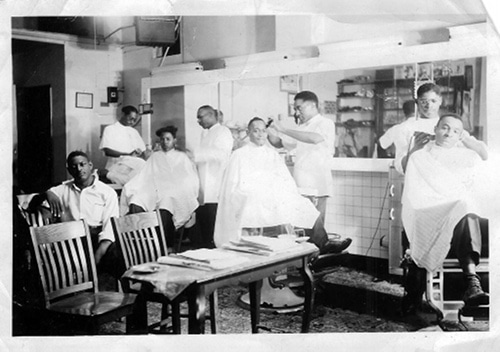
{"type": "Point", "coordinates": [34, 135]}
{"type": "Point", "coordinates": [168, 106]}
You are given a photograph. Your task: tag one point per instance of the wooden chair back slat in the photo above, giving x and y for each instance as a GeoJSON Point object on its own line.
{"type": "Point", "coordinates": [67, 264]}
{"type": "Point", "coordinates": [141, 237]}
{"type": "Point", "coordinates": [52, 266]}
{"type": "Point", "coordinates": [78, 277]}
{"type": "Point", "coordinates": [60, 266]}
{"type": "Point", "coordinates": [65, 259]}
{"type": "Point", "coordinates": [153, 245]}
{"type": "Point", "coordinates": [150, 253]}
{"type": "Point", "coordinates": [47, 280]}
{"type": "Point", "coordinates": [138, 242]}
{"type": "Point", "coordinates": [132, 256]}
{"type": "Point", "coordinates": [81, 264]}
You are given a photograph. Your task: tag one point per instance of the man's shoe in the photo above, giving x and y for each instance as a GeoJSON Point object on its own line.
{"type": "Point", "coordinates": [474, 294]}
{"type": "Point", "coordinates": [335, 246]}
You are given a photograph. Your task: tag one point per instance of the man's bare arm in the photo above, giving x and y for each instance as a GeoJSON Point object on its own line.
{"type": "Point", "coordinates": [420, 140]}
{"type": "Point", "coordinates": [476, 145]}
{"type": "Point", "coordinates": [301, 136]}
{"type": "Point", "coordinates": [115, 154]}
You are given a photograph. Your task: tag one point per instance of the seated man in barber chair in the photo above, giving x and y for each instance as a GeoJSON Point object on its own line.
{"type": "Point", "coordinates": [442, 202]}
{"type": "Point", "coordinates": [168, 182]}
{"type": "Point", "coordinates": [258, 191]}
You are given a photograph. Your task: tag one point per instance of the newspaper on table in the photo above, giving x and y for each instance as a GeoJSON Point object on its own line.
{"type": "Point", "coordinates": [261, 245]}
{"type": "Point", "coordinates": [204, 259]}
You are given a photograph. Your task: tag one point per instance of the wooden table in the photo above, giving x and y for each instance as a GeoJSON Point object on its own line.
{"type": "Point", "coordinates": [197, 284]}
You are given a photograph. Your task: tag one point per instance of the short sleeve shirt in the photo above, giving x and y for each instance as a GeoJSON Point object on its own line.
{"type": "Point", "coordinates": [96, 204]}
{"type": "Point", "coordinates": [312, 169]}
{"type": "Point", "coordinates": [121, 138]}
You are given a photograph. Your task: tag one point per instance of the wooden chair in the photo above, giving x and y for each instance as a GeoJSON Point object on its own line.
{"type": "Point", "coordinates": [68, 274]}
{"type": "Point", "coordinates": [40, 217]}
{"type": "Point", "coordinates": [142, 239]}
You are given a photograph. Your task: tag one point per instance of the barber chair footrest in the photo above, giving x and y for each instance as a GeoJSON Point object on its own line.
{"type": "Point", "coordinates": [477, 312]}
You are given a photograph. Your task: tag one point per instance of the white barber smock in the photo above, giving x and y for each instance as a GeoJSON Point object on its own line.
{"type": "Point", "coordinates": [121, 138]}
{"type": "Point", "coordinates": [168, 181]}
{"type": "Point", "coordinates": [395, 135]}
{"type": "Point", "coordinates": [211, 159]}
{"type": "Point", "coordinates": [441, 187]}
{"type": "Point", "coordinates": [96, 204]}
{"type": "Point", "coordinates": [312, 169]}
{"type": "Point", "coordinates": [258, 191]}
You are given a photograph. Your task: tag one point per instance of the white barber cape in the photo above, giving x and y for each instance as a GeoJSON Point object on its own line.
{"type": "Point", "coordinates": [440, 188]}
{"type": "Point", "coordinates": [167, 181]}
{"type": "Point", "coordinates": [259, 191]}
{"type": "Point", "coordinates": [125, 169]}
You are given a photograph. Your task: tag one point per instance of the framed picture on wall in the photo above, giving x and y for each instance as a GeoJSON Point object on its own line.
{"type": "Point", "coordinates": [84, 100]}
{"type": "Point", "coordinates": [290, 83]}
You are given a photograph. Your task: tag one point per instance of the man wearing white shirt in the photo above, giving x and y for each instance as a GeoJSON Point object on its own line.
{"type": "Point", "coordinates": [418, 133]}
{"type": "Point", "coordinates": [85, 197]}
{"type": "Point", "coordinates": [211, 159]}
{"type": "Point", "coordinates": [394, 135]}
{"type": "Point", "coordinates": [315, 143]}
{"type": "Point", "coordinates": [121, 143]}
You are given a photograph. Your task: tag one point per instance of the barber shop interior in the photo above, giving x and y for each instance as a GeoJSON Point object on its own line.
{"type": "Point", "coordinates": [260, 219]}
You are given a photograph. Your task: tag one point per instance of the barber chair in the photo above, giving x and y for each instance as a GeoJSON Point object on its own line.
{"type": "Point", "coordinates": [444, 288]}
{"type": "Point", "coordinates": [277, 294]}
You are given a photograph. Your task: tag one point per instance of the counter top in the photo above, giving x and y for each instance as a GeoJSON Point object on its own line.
{"type": "Point", "coordinates": [352, 164]}
{"type": "Point", "coordinates": [361, 164]}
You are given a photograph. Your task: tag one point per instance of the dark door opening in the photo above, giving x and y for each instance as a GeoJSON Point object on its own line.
{"type": "Point", "coordinates": [34, 155]}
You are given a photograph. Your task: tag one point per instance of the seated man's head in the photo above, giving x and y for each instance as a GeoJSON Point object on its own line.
{"type": "Point", "coordinates": [206, 116]}
{"type": "Point", "coordinates": [167, 137]}
{"type": "Point", "coordinates": [257, 131]}
{"type": "Point", "coordinates": [80, 167]}
{"type": "Point", "coordinates": [129, 117]}
{"type": "Point", "coordinates": [448, 130]}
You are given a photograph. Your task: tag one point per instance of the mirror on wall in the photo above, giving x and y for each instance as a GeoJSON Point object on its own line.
{"type": "Point", "coordinates": [363, 103]}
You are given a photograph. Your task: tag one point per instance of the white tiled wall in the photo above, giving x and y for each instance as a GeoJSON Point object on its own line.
{"type": "Point", "coordinates": [360, 204]}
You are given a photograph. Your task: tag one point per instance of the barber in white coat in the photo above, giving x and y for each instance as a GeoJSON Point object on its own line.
{"type": "Point", "coordinates": [121, 139]}
{"type": "Point", "coordinates": [211, 158]}
{"type": "Point", "coordinates": [314, 144]}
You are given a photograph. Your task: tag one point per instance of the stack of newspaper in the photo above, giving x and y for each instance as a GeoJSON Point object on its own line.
{"type": "Point", "coordinates": [261, 245]}
{"type": "Point", "coordinates": [203, 259]}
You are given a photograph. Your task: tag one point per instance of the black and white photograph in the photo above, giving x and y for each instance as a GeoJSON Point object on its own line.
{"type": "Point", "coordinates": [298, 175]}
